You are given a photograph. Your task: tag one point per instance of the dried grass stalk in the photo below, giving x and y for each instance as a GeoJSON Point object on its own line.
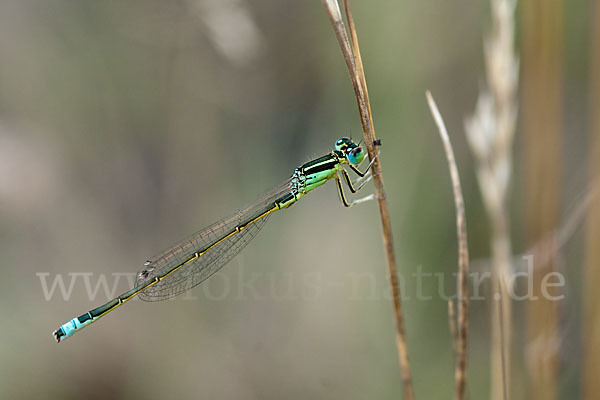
{"type": "Point", "coordinates": [460, 371]}
{"type": "Point", "coordinates": [591, 296]}
{"type": "Point", "coordinates": [490, 133]}
{"type": "Point", "coordinates": [351, 53]}
{"type": "Point", "coordinates": [542, 35]}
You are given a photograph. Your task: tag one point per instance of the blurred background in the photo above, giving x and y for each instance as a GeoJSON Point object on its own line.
{"type": "Point", "coordinates": [125, 126]}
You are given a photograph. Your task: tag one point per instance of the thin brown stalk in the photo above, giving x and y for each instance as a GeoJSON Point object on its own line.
{"type": "Point", "coordinates": [460, 372]}
{"type": "Point", "coordinates": [452, 324]}
{"type": "Point", "coordinates": [542, 121]}
{"type": "Point", "coordinates": [591, 296]}
{"type": "Point", "coordinates": [353, 60]}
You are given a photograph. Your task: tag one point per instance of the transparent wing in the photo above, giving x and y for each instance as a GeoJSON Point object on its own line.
{"type": "Point", "coordinates": [194, 272]}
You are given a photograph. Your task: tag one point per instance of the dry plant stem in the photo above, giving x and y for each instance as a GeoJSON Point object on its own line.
{"type": "Point", "coordinates": [460, 372]}
{"type": "Point", "coordinates": [591, 306]}
{"type": "Point", "coordinates": [490, 132]}
{"type": "Point", "coordinates": [355, 68]}
{"type": "Point", "coordinates": [542, 120]}
{"type": "Point", "coordinates": [501, 308]}
{"type": "Point", "coordinates": [501, 317]}
{"type": "Point", "coordinates": [452, 325]}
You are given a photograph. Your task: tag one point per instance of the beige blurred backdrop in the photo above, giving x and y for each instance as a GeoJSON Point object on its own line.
{"type": "Point", "coordinates": [125, 126]}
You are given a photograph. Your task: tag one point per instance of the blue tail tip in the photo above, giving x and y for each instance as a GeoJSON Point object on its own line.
{"type": "Point", "coordinates": [58, 335]}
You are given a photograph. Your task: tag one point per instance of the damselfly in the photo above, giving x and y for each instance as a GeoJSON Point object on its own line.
{"type": "Point", "coordinates": [195, 258]}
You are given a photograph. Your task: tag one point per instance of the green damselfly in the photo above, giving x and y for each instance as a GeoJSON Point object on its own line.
{"type": "Point", "coordinates": [195, 258]}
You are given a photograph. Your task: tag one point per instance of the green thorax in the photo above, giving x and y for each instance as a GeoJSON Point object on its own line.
{"type": "Point", "coordinates": [320, 170]}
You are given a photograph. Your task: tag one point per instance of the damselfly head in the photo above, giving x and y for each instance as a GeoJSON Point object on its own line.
{"type": "Point", "coordinates": [356, 155]}
{"type": "Point", "coordinates": [343, 144]}
{"type": "Point", "coordinates": [353, 152]}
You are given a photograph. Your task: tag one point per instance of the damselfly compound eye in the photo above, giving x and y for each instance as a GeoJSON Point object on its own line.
{"type": "Point", "coordinates": [356, 155]}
